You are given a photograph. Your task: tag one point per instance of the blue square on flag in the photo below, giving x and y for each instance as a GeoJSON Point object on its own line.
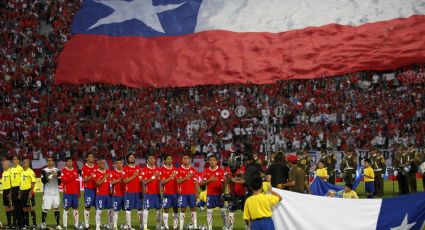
{"type": "Point", "coordinates": [146, 18]}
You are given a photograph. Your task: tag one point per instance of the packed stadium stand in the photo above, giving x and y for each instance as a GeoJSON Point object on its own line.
{"type": "Point", "coordinates": [39, 117]}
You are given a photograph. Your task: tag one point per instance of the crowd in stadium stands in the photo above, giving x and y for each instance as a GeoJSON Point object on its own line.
{"type": "Point", "coordinates": [38, 117]}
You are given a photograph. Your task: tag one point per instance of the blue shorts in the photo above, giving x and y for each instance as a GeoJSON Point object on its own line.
{"type": "Point", "coordinates": [201, 204]}
{"type": "Point", "coordinates": [70, 201]}
{"type": "Point", "coordinates": [214, 201]}
{"type": "Point", "coordinates": [118, 203]}
{"type": "Point", "coordinates": [237, 203]}
{"type": "Point", "coordinates": [103, 202]}
{"type": "Point", "coordinates": [132, 200]}
{"type": "Point", "coordinates": [89, 197]}
{"type": "Point", "coordinates": [152, 201]}
{"type": "Point", "coordinates": [186, 200]}
{"type": "Point", "coordinates": [369, 187]}
{"type": "Point", "coordinates": [262, 224]}
{"type": "Point", "coordinates": [170, 201]}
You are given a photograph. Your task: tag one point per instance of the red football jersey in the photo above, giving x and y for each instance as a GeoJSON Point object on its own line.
{"type": "Point", "coordinates": [187, 186]}
{"type": "Point", "coordinates": [133, 185]}
{"type": "Point", "coordinates": [118, 188]}
{"type": "Point", "coordinates": [214, 187]}
{"type": "Point", "coordinates": [171, 186]}
{"type": "Point", "coordinates": [88, 171]}
{"type": "Point", "coordinates": [236, 188]}
{"type": "Point", "coordinates": [70, 181]}
{"type": "Point", "coordinates": [153, 186]}
{"type": "Point", "coordinates": [103, 189]}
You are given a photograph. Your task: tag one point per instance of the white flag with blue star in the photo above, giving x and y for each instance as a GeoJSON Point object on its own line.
{"type": "Point", "coordinates": [300, 211]}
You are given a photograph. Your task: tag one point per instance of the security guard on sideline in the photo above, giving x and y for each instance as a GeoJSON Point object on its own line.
{"type": "Point", "coordinates": [401, 160]}
{"type": "Point", "coordinates": [349, 166]}
{"type": "Point", "coordinates": [378, 166]}
{"type": "Point", "coordinates": [414, 162]}
{"type": "Point", "coordinates": [330, 163]}
{"type": "Point", "coordinates": [304, 161]}
{"type": "Point", "coordinates": [422, 159]}
{"type": "Point", "coordinates": [7, 196]}
{"type": "Point", "coordinates": [15, 183]}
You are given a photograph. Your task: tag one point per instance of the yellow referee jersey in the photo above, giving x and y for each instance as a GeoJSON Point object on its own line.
{"type": "Point", "coordinates": [27, 178]}
{"type": "Point", "coordinates": [16, 176]}
{"type": "Point", "coordinates": [6, 180]}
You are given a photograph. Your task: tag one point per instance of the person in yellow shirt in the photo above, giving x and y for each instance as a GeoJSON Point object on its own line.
{"type": "Point", "coordinates": [15, 183]}
{"type": "Point", "coordinates": [349, 192]}
{"type": "Point", "coordinates": [202, 197]}
{"type": "Point", "coordinates": [369, 178]}
{"type": "Point", "coordinates": [26, 192]}
{"type": "Point", "coordinates": [321, 171]}
{"type": "Point", "coordinates": [7, 188]}
{"type": "Point", "coordinates": [258, 207]}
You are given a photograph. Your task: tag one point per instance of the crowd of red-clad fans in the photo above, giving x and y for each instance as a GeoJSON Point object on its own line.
{"type": "Point", "coordinates": [38, 117]}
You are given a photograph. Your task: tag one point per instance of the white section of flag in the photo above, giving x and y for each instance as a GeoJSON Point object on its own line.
{"type": "Point", "coordinates": [284, 15]}
{"type": "Point", "coordinates": [301, 211]}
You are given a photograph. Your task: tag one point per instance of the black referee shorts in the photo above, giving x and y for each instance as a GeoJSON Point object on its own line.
{"type": "Point", "coordinates": [7, 199]}
{"type": "Point", "coordinates": [16, 202]}
{"type": "Point", "coordinates": [26, 201]}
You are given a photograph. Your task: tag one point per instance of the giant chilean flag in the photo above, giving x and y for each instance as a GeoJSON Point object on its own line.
{"type": "Point", "coordinates": [304, 212]}
{"type": "Point", "coordinates": [162, 43]}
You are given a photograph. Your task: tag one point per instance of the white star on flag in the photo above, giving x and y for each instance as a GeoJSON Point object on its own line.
{"type": "Point", "coordinates": [404, 225]}
{"type": "Point", "coordinates": [141, 10]}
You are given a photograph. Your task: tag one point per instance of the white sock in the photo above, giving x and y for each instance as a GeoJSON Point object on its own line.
{"type": "Point", "coordinates": [209, 218]}
{"type": "Point", "coordinates": [231, 219]}
{"type": "Point", "coordinates": [175, 220]}
{"type": "Point", "coordinates": [115, 219]}
{"type": "Point", "coordinates": [145, 218]}
{"type": "Point", "coordinates": [75, 217]}
{"type": "Point", "coordinates": [165, 217]}
{"type": "Point", "coordinates": [181, 220]}
{"type": "Point", "coordinates": [140, 214]}
{"type": "Point", "coordinates": [65, 218]}
{"type": "Point", "coordinates": [158, 216]}
{"type": "Point", "coordinates": [224, 216]}
{"type": "Point", "coordinates": [128, 217]}
{"type": "Point", "coordinates": [86, 218]}
{"type": "Point", "coordinates": [194, 219]}
{"type": "Point", "coordinates": [98, 212]}
{"type": "Point", "coordinates": [111, 216]}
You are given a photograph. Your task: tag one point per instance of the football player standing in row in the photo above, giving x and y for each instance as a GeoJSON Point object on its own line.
{"type": "Point", "coordinates": [214, 178]}
{"type": "Point", "coordinates": [169, 190]}
{"type": "Point", "coordinates": [71, 191]}
{"type": "Point", "coordinates": [187, 187]}
{"type": "Point", "coordinates": [152, 195]}
{"type": "Point", "coordinates": [50, 177]}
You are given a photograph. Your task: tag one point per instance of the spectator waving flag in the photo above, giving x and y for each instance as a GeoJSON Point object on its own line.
{"type": "Point", "coordinates": [300, 211]}
{"type": "Point", "coordinates": [144, 43]}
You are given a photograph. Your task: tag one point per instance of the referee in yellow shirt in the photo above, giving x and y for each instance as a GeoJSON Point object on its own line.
{"type": "Point", "coordinates": [369, 178]}
{"type": "Point", "coordinates": [26, 192]}
{"type": "Point", "coordinates": [16, 182]}
{"type": "Point", "coordinates": [258, 207]}
{"type": "Point", "coordinates": [6, 186]}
